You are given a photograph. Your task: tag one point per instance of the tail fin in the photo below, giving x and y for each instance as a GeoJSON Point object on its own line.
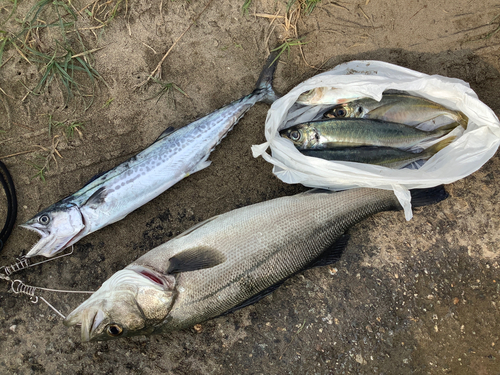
{"type": "Point", "coordinates": [434, 149]}
{"type": "Point", "coordinates": [264, 83]}
{"type": "Point", "coordinates": [425, 197]}
{"type": "Point", "coordinates": [462, 119]}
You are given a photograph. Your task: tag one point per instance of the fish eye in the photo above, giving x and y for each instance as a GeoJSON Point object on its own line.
{"type": "Point", "coordinates": [339, 112]}
{"type": "Point", "coordinates": [114, 330]}
{"type": "Point", "coordinates": [294, 135]}
{"type": "Point", "coordinates": [44, 219]}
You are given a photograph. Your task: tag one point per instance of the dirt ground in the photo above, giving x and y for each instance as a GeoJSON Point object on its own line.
{"type": "Point", "coordinates": [419, 297]}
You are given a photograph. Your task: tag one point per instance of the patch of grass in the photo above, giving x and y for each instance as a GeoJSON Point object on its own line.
{"type": "Point", "coordinates": [49, 39]}
{"type": "Point", "coordinates": [14, 8]}
{"type": "Point", "coordinates": [246, 7]}
{"type": "Point", "coordinates": [287, 45]}
{"type": "Point", "coordinates": [43, 162]}
{"type": "Point", "coordinates": [307, 6]}
{"type": "Point", "coordinates": [167, 89]}
{"type": "Point", "coordinates": [104, 11]}
{"type": "Point", "coordinates": [68, 127]}
{"type": "Point", "coordinates": [40, 170]}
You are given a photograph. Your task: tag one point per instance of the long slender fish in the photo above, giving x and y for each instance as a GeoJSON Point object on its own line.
{"type": "Point", "coordinates": [330, 133]}
{"type": "Point", "coordinates": [230, 261]}
{"type": "Point", "coordinates": [386, 156]}
{"type": "Point", "coordinates": [173, 156]}
{"type": "Point", "coordinates": [402, 108]}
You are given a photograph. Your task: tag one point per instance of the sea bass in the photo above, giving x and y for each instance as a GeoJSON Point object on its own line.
{"type": "Point", "coordinates": [173, 156]}
{"type": "Point", "coordinates": [386, 156]}
{"type": "Point", "coordinates": [330, 133]}
{"type": "Point", "coordinates": [230, 261]}
{"type": "Point", "coordinates": [402, 108]}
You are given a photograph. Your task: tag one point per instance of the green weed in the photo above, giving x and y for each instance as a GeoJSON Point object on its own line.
{"type": "Point", "coordinates": [68, 127]}
{"type": "Point", "coordinates": [246, 7]}
{"type": "Point", "coordinates": [286, 46]}
{"type": "Point", "coordinates": [307, 6]}
{"type": "Point", "coordinates": [108, 103]}
{"type": "Point", "coordinates": [167, 89]}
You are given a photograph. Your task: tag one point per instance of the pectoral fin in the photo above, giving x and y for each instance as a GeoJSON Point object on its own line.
{"type": "Point", "coordinates": [98, 197]}
{"type": "Point", "coordinates": [195, 259]}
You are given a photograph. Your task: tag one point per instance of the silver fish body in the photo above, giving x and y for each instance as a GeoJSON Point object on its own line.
{"type": "Point", "coordinates": [219, 264]}
{"type": "Point", "coordinates": [386, 156]}
{"type": "Point", "coordinates": [116, 193]}
{"type": "Point", "coordinates": [345, 132]}
{"type": "Point", "coordinates": [400, 108]}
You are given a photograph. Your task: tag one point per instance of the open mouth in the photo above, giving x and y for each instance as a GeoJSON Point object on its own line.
{"type": "Point", "coordinates": [49, 244]}
{"type": "Point", "coordinates": [53, 239]}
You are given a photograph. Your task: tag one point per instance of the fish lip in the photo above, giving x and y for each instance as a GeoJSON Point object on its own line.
{"type": "Point", "coordinates": [39, 247]}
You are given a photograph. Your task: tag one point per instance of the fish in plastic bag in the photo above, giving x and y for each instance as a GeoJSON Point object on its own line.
{"type": "Point", "coordinates": [470, 150]}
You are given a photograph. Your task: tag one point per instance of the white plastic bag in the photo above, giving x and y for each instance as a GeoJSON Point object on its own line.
{"type": "Point", "coordinates": [465, 155]}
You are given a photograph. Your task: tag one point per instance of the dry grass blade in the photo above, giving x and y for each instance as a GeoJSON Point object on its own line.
{"type": "Point", "coordinates": [294, 337]}
{"type": "Point", "coordinates": [45, 160]}
{"type": "Point", "coordinates": [172, 47]}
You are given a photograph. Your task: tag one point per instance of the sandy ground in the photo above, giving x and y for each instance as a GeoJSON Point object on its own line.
{"type": "Point", "coordinates": [416, 297]}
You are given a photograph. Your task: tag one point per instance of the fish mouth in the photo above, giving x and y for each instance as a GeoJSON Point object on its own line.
{"type": "Point", "coordinates": [90, 320]}
{"type": "Point", "coordinates": [49, 244]}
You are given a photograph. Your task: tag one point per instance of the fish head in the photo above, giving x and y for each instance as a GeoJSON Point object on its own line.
{"type": "Point", "coordinates": [303, 136]}
{"type": "Point", "coordinates": [132, 302]}
{"type": "Point", "coordinates": [57, 225]}
{"type": "Point", "coordinates": [312, 97]}
{"type": "Point", "coordinates": [350, 109]}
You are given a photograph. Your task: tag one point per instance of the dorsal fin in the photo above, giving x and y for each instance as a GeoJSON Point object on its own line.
{"type": "Point", "coordinates": [95, 177]}
{"type": "Point", "coordinates": [166, 133]}
{"type": "Point", "coordinates": [196, 226]}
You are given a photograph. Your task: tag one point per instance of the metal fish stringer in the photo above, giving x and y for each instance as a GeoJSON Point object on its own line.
{"type": "Point", "coordinates": [23, 263]}
{"type": "Point", "coordinates": [18, 287]}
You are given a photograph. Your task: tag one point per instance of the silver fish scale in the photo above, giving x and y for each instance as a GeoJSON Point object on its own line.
{"type": "Point", "coordinates": [161, 165]}
{"type": "Point", "coordinates": [263, 244]}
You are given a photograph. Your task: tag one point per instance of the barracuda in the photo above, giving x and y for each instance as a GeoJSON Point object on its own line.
{"type": "Point", "coordinates": [113, 195]}
{"type": "Point", "coordinates": [229, 262]}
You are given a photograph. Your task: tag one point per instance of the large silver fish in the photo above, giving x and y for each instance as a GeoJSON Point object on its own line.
{"type": "Point", "coordinates": [113, 195]}
{"type": "Point", "coordinates": [229, 262]}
